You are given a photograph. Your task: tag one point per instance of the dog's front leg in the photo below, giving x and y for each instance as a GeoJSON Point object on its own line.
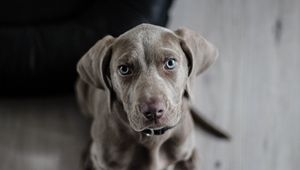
{"type": "Point", "coordinates": [189, 164]}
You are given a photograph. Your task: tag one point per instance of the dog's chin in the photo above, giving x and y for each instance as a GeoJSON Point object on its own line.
{"type": "Point", "coordinates": [164, 122]}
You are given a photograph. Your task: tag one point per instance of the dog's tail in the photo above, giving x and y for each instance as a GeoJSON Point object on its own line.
{"type": "Point", "coordinates": [207, 125]}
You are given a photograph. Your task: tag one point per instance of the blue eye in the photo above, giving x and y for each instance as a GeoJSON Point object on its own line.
{"type": "Point", "coordinates": [170, 64]}
{"type": "Point", "coordinates": [124, 70]}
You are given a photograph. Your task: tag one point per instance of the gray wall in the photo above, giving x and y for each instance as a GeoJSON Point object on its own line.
{"type": "Point", "coordinates": [252, 90]}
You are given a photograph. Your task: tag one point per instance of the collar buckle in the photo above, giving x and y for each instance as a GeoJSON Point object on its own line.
{"type": "Point", "coordinates": [151, 132]}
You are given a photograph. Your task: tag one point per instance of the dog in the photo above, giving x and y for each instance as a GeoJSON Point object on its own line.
{"type": "Point", "coordinates": [137, 89]}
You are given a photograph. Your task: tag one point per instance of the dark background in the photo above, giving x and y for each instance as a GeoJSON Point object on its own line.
{"type": "Point", "coordinates": [41, 41]}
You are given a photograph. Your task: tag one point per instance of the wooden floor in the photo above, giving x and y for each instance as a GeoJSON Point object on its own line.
{"type": "Point", "coordinates": [41, 134]}
{"type": "Point", "coordinates": [252, 91]}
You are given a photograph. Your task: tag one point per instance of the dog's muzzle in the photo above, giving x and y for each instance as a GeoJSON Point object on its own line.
{"type": "Point", "coordinates": [151, 132]}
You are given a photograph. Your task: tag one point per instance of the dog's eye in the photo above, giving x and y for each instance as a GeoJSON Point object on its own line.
{"type": "Point", "coordinates": [124, 70]}
{"type": "Point", "coordinates": [170, 64]}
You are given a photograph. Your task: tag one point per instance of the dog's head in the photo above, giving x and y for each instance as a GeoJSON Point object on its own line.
{"type": "Point", "coordinates": [148, 70]}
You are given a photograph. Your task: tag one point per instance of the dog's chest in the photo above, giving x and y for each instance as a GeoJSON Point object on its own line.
{"type": "Point", "coordinates": [156, 156]}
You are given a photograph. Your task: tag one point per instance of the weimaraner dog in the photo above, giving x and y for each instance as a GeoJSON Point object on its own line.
{"type": "Point", "coordinates": [137, 89]}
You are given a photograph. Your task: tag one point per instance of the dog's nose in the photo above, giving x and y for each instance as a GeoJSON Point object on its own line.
{"type": "Point", "coordinates": [152, 109]}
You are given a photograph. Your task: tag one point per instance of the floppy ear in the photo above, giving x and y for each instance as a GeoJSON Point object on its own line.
{"type": "Point", "coordinates": [199, 52]}
{"type": "Point", "coordinates": [92, 67]}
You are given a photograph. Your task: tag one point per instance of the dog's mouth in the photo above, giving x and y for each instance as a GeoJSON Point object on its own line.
{"type": "Point", "coordinates": [154, 127]}
{"type": "Point", "coordinates": [156, 131]}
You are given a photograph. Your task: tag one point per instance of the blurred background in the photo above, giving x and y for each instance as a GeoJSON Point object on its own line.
{"type": "Point", "coordinates": [252, 91]}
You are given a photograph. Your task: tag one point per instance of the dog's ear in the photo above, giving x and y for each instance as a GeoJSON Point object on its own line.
{"type": "Point", "coordinates": [93, 66]}
{"type": "Point", "coordinates": [199, 52]}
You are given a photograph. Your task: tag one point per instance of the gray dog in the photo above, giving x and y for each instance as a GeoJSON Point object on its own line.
{"type": "Point", "coordinates": [136, 87]}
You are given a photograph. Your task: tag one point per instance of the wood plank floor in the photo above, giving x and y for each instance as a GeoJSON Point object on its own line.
{"type": "Point", "coordinates": [41, 134]}
{"type": "Point", "coordinates": [253, 90]}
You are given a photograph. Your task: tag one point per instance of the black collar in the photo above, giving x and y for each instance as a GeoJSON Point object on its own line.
{"type": "Point", "coordinates": [151, 132]}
